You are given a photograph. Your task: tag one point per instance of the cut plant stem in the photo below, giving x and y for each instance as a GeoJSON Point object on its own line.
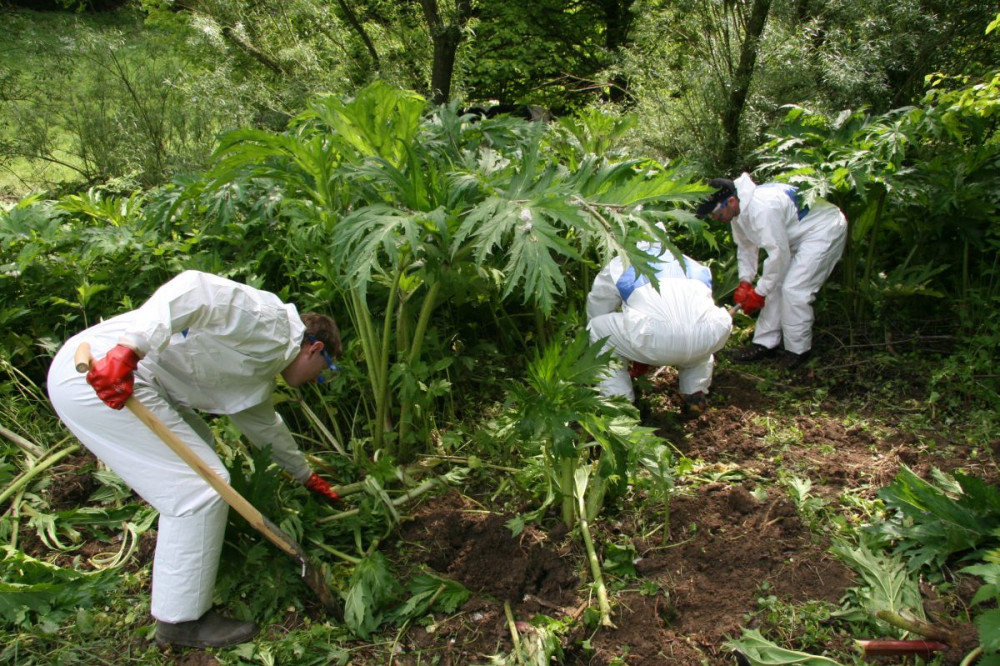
{"type": "Point", "coordinates": [319, 425]}
{"type": "Point", "coordinates": [891, 648]}
{"type": "Point", "coordinates": [26, 477]}
{"type": "Point", "coordinates": [398, 501]}
{"type": "Point", "coordinates": [915, 625]}
{"type": "Point", "coordinates": [581, 477]}
{"type": "Point", "coordinates": [516, 637]}
{"type": "Point", "coordinates": [28, 446]}
{"type": "Point", "coordinates": [337, 553]}
{"type": "Point", "coordinates": [475, 462]}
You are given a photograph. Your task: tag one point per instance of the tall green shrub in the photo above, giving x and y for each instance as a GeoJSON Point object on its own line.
{"type": "Point", "coordinates": [398, 209]}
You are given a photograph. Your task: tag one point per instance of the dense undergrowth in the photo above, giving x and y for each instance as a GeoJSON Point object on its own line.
{"type": "Point", "coordinates": [456, 255]}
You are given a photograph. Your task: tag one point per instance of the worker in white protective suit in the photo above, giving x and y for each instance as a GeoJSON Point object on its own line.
{"type": "Point", "coordinates": [802, 244]}
{"type": "Point", "coordinates": [204, 343]}
{"type": "Point", "coordinates": [674, 323]}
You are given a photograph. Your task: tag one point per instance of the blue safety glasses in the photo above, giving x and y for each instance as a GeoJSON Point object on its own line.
{"type": "Point", "coordinates": [331, 368]}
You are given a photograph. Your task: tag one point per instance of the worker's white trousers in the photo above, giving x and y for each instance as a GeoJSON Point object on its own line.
{"type": "Point", "coordinates": [635, 336]}
{"type": "Point", "coordinates": [192, 519]}
{"type": "Point", "coordinates": [788, 313]}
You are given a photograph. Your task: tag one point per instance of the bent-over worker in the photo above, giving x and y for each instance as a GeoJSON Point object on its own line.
{"type": "Point", "coordinates": [802, 244]}
{"type": "Point", "coordinates": [201, 342]}
{"type": "Point", "coordinates": [676, 323]}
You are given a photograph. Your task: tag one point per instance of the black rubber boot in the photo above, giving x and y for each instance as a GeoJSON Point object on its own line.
{"type": "Point", "coordinates": [752, 352]}
{"type": "Point", "coordinates": [211, 630]}
{"type": "Point", "coordinates": [790, 360]}
{"type": "Point", "coordinates": [695, 405]}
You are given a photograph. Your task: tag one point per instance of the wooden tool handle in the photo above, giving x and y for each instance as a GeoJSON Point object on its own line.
{"type": "Point", "coordinates": [82, 360]}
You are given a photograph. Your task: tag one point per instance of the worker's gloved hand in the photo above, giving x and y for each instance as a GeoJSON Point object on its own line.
{"type": "Point", "coordinates": [741, 293]}
{"type": "Point", "coordinates": [321, 487]}
{"type": "Point", "coordinates": [112, 377]}
{"type": "Point", "coordinates": [753, 302]}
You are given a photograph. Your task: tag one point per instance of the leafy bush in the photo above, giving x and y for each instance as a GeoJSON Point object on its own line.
{"type": "Point", "coordinates": [932, 524]}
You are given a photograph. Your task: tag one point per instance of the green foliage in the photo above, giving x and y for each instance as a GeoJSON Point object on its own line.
{"type": "Point", "coordinates": [522, 51]}
{"type": "Point", "coordinates": [916, 184]}
{"type": "Point", "coordinates": [886, 585]}
{"type": "Point", "coordinates": [987, 621]}
{"type": "Point", "coordinates": [810, 626]}
{"type": "Point", "coordinates": [35, 592]}
{"type": "Point", "coordinates": [105, 105]}
{"type": "Point", "coordinates": [63, 257]}
{"type": "Point", "coordinates": [619, 559]}
{"type": "Point", "coordinates": [932, 524]}
{"type": "Point", "coordinates": [403, 211]}
{"type": "Point", "coordinates": [826, 57]}
{"type": "Point", "coordinates": [759, 651]}
{"type": "Point", "coordinates": [559, 410]}
{"type": "Point", "coordinates": [936, 524]}
{"type": "Point", "coordinates": [426, 593]}
{"type": "Point", "coordinates": [371, 587]}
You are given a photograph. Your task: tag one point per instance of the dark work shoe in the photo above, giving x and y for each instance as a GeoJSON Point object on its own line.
{"type": "Point", "coordinates": [210, 631]}
{"type": "Point", "coordinates": [695, 405]}
{"type": "Point", "coordinates": [790, 360]}
{"type": "Point", "coordinates": [751, 353]}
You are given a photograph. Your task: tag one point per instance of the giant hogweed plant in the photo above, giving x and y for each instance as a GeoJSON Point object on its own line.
{"type": "Point", "coordinates": [397, 208]}
{"type": "Point", "coordinates": [588, 446]}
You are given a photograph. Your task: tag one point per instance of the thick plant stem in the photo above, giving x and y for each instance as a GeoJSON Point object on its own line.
{"type": "Point", "coordinates": [972, 657]}
{"type": "Point", "coordinates": [336, 553]}
{"type": "Point", "coordinates": [28, 446]}
{"type": "Point", "coordinates": [382, 395]}
{"type": "Point", "coordinates": [916, 626]}
{"type": "Point", "coordinates": [369, 347]}
{"type": "Point", "coordinates": [514, 635]}
{"type": "Point", "coordinates": [26, 478]}
{"type": "Point", "coordinates": [884, 648]}
{"type": "Point", "coordinates": [588, 542]}
{"type": "Point", "coordinates": [567, 467]}
{"type": "Point", "coordinates": [398, 501]}
{"type": "Point", "coordinates": [416, 348]}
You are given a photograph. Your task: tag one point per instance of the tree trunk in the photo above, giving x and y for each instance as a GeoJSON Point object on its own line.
{"type": "Point", "coordinates": [446, 38]}
{"type": "Point", "coordinates": [740, 87]}
{"type": "Point", "coordinates": [352, 19]}
{"type": "Point", "coordinates": [617, 35]}
{"type": "Point", "coordinates": [253, 52]}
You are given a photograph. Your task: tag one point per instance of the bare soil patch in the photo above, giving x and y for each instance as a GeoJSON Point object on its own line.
{"type": "Point", "coordinates": [728, 539]}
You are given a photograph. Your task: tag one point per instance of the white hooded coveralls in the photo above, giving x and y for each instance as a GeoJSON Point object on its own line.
{"type": "Point", "coordinates": [802, 246]}
{"type": "Point", "coordinates": [209, 344]}
{"type": "Point", "coordinates": [677, 324]}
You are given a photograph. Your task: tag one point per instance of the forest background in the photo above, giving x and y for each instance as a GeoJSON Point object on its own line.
{"type": "Point", "coordinates": [325, 151]}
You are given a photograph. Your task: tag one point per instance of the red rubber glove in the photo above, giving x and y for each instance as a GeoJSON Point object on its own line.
{"type": "Point", "coordinates": [753, 302]}
{"type": "Point", "coordinates": [112, 377]}
{"type": "Point", "coordinates": [321, 487]}
{"type": "Point", "coordinates": [637, 369]}
{"type": "Point", "coordinates": [742, 292]}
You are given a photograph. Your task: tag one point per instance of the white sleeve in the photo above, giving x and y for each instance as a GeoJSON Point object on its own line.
{"type": "Point", "coordinates": [747, 253]}
{"type": "Point", "coordinates": [604, 296]}
{"type": "Point", "coordinates": [768, 220]}
{"type": "Point", "coordinates": [262, 425]}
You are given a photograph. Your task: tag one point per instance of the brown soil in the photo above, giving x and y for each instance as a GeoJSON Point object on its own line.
{"type": "Point", "coordinates": [734, 531]}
